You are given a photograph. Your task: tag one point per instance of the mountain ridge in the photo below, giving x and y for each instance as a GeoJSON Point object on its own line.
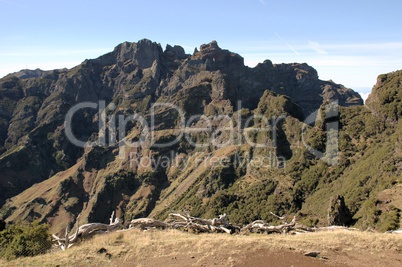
{"type": "Point", "coordinates": [94, 181]}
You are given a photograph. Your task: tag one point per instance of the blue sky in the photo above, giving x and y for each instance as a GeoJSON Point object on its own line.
{"type": "Point", "coordinates": [350, 42]}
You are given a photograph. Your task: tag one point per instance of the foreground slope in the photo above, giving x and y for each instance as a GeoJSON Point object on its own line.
{"type": "Point", "coordinates": [174, 248]}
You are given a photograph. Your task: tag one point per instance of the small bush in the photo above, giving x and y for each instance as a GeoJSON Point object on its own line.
{"type": "Point", "coordinates": [389, 220]}
{"type": "Point", "coordinates": [23, 240]}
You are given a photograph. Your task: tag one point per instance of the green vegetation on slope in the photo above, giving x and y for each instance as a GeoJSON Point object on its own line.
{"type": "Point", "coordinates": [23, 240]}
{"type": "Point", "coordinates": [245, 181]}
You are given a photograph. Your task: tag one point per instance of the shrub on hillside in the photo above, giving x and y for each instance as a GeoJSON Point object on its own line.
{"type": "Point", "coordinates": [23, 240]}
{"type": "Point", "coordinates": [389, 220]}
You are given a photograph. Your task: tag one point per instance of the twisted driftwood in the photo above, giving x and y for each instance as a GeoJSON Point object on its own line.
{"type": "Point", "coordinates": [199, 225]}
{"type": "Point", "coordinates": [261, 227]}
{"type": "Point", "coordinates": [86, 231]}
{"type": "Point", "coordinates": [399, 231]}
{"type": "Point", "coordinates": [145, 223]}
{"type": "Point", "coordinates": [287, 228]}
{"type": "Point", "coordinates": [188, 223]}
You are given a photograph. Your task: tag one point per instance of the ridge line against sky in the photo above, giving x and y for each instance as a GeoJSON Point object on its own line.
{"type": "Point", "coordinates": [348, 42]}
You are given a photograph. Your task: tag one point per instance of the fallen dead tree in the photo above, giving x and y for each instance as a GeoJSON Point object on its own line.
{"type": "Point", "coordinates": [262, 227]}
{"type": "Point", "coordinates": [185, 222]}
{"type": "Point", "coordinates": [399, 231]}
{"type": "Point", "coordinates": [146, 223]}
{"type": "Point", "coordinates": [188, 223]}
{"type": "Point", "coordinates": [199, 225]}
{"type": "Point", "coordinates": [288, 228]}
{"type": "Point", "coordinates": [86, 231]}
{"type": "Point", "coordinates": [334, 228]}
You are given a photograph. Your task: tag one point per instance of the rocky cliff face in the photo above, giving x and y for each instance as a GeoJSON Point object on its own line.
{"type": "Point", "coordinates": [130, 80]}
{"type": "Point", "coordinates": [386, 96]}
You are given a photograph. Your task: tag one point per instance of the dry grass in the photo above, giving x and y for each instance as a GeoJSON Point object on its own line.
{"type": "Point", "coordinates": [136, 248]}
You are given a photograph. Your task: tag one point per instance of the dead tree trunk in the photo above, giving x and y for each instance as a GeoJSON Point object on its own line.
{"type": "Point", "coordinates": [86, 231]}
{"type": "Point", "coordinates": [146, 223]}
{"type": "Point", "coordinates": [191, 224]}
{"type": "Point", "coordinates": [286, 228]}
{"type": "Point", "coordinates": [199, 225]}
{"type": "Point", "coordinates": [263, 227]}
{"type": "Point", "coordinates": [188, 223]}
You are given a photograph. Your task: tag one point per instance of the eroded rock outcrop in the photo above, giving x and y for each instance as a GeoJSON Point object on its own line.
{"type": "Point", "coordinates": [338, 212]}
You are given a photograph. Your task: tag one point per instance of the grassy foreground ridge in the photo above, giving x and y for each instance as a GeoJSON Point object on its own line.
{"type": "Point", "coordinates": [175, 248]}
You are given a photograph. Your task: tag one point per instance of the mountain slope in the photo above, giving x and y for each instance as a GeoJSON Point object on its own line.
{"type": "Point", "coordinates": [234, 167]}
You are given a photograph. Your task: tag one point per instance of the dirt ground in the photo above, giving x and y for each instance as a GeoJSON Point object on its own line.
{"type": "Point", "coordinates": [274, 258]}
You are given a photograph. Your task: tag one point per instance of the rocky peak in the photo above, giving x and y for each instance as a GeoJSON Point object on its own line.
{"type": "Point", "coordinates": [212, 46]}
{"type": "Point", "coordinates": [213, 52]}
{"type": "Point", "coordinates": [175, 52]}
{"type": "Point", "coordinates": [142, 53]}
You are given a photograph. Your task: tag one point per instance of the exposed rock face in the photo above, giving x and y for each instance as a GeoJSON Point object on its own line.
{"type": "Point", "coordinates": [2, 225]}
{"type": "Point", "coordinates": [386, 97]}
{"type": "Point", "coordinates": [142, 54]}
{"type": "Point", "coordinates": [210, 82]}
{"type": "Point", "coordinates": [300, 82]}
{"type": "Point", "coordinates": [338, 213]}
